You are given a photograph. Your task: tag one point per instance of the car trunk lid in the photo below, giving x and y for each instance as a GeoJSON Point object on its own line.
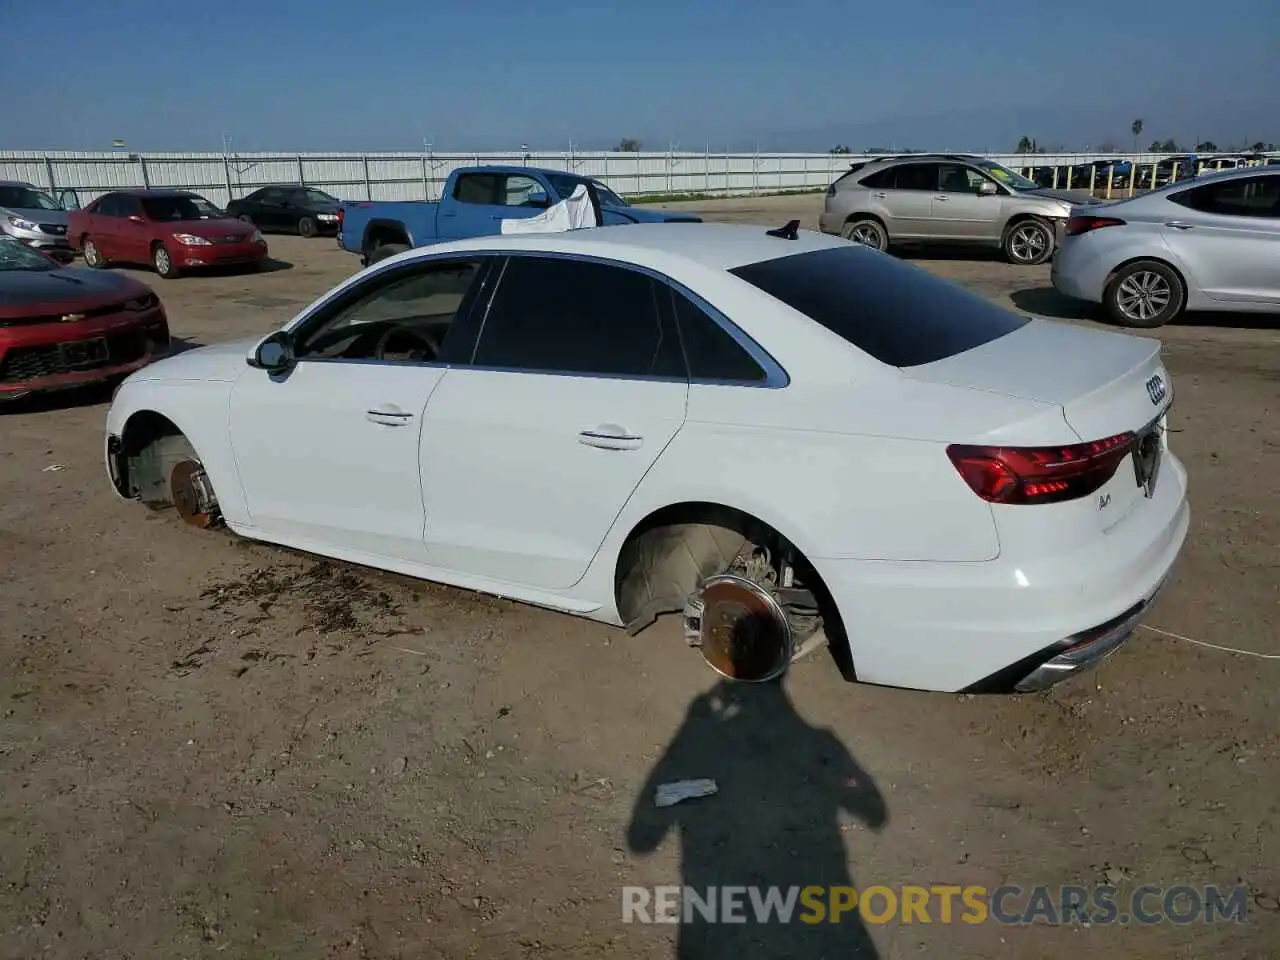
{"type": "Point", "coordinates": [1106, 385]}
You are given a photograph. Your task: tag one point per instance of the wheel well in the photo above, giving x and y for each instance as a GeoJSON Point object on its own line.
{"type": "Point", "coordinates": [1018, 218]}
{"type": "Point", "coordinates": [668, 553]}
{"type": "Point", "coordinates": [149, 446]}
{"type": "Point", "coordinates": [854, 217]}
{"type": "Point", "coordinates": [1111, 275]}
{"type": "Point", "coordinates": [384, 233]}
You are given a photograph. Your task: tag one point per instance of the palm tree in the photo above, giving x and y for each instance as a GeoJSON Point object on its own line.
{"type": "Point", "coordinates": [1137, 132]}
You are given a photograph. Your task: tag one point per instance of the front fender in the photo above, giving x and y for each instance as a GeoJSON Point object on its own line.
{"type": "Point", "coordinates": [199, 409]}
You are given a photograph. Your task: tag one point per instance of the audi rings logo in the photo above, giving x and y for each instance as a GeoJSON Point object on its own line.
{"type": "Point", "coordinates": [1156, 389]}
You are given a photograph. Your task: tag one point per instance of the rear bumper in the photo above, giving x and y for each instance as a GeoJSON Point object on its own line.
{"type": "Point", "coordinates": [32, 359]}
{"type": "Point", "coordinates": [994, 625]}
{"type": "Point", "coordinates": [1078, 272]}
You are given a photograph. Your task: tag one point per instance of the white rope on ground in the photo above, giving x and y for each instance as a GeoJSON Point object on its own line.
{"type": "Point", "coordinates": [1211, 646]}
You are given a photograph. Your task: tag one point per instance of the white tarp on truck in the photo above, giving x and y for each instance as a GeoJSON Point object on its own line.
{"type": "Point", "coordinates": [575, 212]}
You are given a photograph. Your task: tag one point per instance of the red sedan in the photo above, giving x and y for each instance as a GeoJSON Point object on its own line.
{"type": "Point", "coordinates": [65, 327]}
{"type": "Point", "coordinates": [173, 230]}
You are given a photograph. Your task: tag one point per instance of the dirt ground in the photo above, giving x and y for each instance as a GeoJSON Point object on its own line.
{"type": "Point", "coordinates": [215, 748]}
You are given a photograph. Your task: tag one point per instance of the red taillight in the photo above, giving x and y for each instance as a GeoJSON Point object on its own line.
{"type": "Point", "coordinates": [1079, 225]}
{"type": "Point", "coordinates": [1039, 474]}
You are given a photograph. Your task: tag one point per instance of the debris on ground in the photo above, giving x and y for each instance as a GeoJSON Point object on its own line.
{"type": "Point", "coordinates": [669, 794]}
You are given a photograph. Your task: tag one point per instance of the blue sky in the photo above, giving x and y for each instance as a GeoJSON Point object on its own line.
{"type": "Point", "coordinates": [801, 74]}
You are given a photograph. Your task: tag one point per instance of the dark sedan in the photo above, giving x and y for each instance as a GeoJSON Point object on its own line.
{"type": "Point", "coordinates": [64, 327]}
{"type": "Point", "coordinates": [305, 211]}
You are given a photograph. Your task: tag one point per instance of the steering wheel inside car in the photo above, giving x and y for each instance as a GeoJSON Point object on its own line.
{"type": "Point", "coordinates": [423, 349]}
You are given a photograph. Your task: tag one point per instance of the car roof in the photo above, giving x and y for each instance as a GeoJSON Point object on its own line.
{"type": "Point", "coordinates": [147, 194]}
{"type": "Point", "coordinates": [19, 183]}
{"type": "Point", "coordinates": [717, 246]}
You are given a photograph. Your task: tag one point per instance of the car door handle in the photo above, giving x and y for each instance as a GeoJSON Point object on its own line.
{"type": "Point", "coordinates": [942, 196]}
{"type": "Point", "coordinates": [388, 416]}
{"type": "Point", "coordinates": [1178, 224]}
{"type": "Point", "coordinates": [879, 196]}
{"type": "Point", "coordinates": [610, 437]}
{"type": "Point", "coordinates": [449, 213]}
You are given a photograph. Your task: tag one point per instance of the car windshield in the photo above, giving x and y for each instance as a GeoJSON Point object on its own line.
{"type": "Point", "coordinates": [565, 185]}
{"type": "Point", "coordinates": [180, 208]}
{"type": "Point", "coordinates": [15, 255]}
{"type": "Point", "coordinates": [898, 313]}
{"type": "Point", "coordinates": [25, 198]}
{"type": "Point", "coordinates": [1008, 177]}
{"type": "Point", "coordinates": [311, 195]}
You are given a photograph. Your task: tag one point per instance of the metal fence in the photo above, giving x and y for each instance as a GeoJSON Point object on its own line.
{"type": "Point", "coordinates": [417, 176]}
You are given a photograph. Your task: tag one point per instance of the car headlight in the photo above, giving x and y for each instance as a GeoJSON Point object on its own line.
{"type": "Point", "coordinates": [191, 240]}
{"type": "Point", "coordinates": [22, 224]}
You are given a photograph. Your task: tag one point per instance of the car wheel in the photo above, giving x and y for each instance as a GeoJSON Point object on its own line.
{"type": "Point", "coordinates": [162, 260]}
{"type": "Point", "coordinates": [867, 232]}
{"type": "Point", "coordinates": [92, 255]}
{"type": "Point", "coordinates": [307, 227]}
{"type": "Point", "coordinates": [1028, 243]}
{"type": "Point", "coordinates": [384, 250]}
{"type": "Point", "coordinates": [1145, 294]}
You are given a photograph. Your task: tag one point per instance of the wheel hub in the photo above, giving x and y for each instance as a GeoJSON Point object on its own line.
{"type": "Point", "coordinates": [741, 629]}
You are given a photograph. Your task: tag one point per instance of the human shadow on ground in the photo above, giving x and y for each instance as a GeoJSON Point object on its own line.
{"type": "Point", "coordinates": [774, 826]}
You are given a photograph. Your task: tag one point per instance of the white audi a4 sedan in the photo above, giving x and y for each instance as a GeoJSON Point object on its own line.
{"type": "Point", "coordinates": [773, 434]}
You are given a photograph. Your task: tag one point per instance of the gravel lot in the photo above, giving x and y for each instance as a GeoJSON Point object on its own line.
{"type": "Point", "coordinates": [214, 748]}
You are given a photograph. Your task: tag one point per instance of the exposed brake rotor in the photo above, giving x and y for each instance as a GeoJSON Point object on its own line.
{"type": "Point", "coordinates": [193, 494]}
{"type": "Point", "coordinates": [741, 629]}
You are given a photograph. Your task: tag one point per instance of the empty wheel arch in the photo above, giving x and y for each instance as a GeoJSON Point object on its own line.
{"type": "Point", "coordinates": [154, 463]}
{"type": "Point", "coordinates": [669, 554]}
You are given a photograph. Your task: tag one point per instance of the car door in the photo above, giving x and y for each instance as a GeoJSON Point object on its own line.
{"type": "Point", "coordinates": [482, 200]}
{"type": "Point", "coordinates": [134, 230]}
{"type": "Point", "coordinates": [575, 388]}
{"type": "Point", "coordinates": [1228, 237]}
{"type": "Point", "coordinates": [908, 203]}
{"type": "Point", "coordinates": [328, 451]}
{"type": "Point", "coordinates": [102, 221]}
{"type": "Point", "coordinates": [959, 211]}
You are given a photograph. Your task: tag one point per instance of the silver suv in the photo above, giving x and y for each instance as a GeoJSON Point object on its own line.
{"type": "Point", "coordinates": [29, 214]}
{"type": "Point", "coordinates": [944, 198]}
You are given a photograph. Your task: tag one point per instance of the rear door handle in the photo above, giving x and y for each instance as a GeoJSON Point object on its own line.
{"type": "Point", "coordinates": [388, 416]}
{"type": "Point", "coordinates": [878, 196]}
{"type": "Point", "coordinates": [1178, 224]}
{"type": "Point", "coordinates": [610, 437]}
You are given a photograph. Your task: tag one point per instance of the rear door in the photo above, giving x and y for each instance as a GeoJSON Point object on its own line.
{"type": "Point", "coordinates": [134, 230]}
{"type": "Point", "coordinates": [909, 200]}
{"type": "Point", "coordinates": [482, 200]}
{"type": "Point", "coordinates": [576, 386]}
{"type": "Point", "coordinates": [1229, 238]}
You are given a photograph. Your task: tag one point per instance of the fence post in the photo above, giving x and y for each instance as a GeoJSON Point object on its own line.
{"type": "Point", "coordinates": [368, 187]}
{"type": "Point", "coordinates": [142, 163]}
{"type": "Point", "coordinates": [226, 172]}
{"type": "Point", "coordinates": [48, 172]}
{"type": "Point", "coordinates": [302, 177]}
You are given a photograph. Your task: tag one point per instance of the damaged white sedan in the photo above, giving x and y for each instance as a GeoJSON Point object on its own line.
{"type": "Point", "coordinates": [773, 434]}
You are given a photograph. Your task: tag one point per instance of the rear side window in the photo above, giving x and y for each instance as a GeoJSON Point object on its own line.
{"type": "Point", "coordinates": [899, 314]}
{"type": "Point", "coordinates": [575, 316]}
{"type": "Point", "coordinates": [712, 354]}
{"type": "Point", "coordinates": [880, 179]}
{"type": "Point", "coordinates": [1243, 197]}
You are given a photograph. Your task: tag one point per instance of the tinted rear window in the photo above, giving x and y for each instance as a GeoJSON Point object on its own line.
{"type": "Point", "coordinates": [900, 314]}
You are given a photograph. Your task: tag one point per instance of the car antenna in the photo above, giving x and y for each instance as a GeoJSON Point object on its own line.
{"type": "Point", "coordinates": [789, 232]}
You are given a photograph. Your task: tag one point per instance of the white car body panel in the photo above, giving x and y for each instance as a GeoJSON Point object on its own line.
{"type": "Point", "coordinates": [487, 484]}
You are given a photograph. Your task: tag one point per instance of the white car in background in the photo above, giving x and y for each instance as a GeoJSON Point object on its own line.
{"type": "Point", "coordinates": [767, 432]}
{"type": "Point", "coordinates": [1208, 243]}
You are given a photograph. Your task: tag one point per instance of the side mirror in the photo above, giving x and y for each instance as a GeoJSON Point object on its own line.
{"type": "Point", "coordinates": [136, 218]}
{"type": "Point", "coordinates": [274, 353]}
{"type": "Point", "coordinates": [69, 200]}
{"type": "Point", "coordinates": [539, 200]}
{"type": "Point", "coordinates": [987, 189]}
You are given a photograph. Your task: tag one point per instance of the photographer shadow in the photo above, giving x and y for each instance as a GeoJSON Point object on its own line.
{"type": "Point", "coordinates": [774, 826]}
